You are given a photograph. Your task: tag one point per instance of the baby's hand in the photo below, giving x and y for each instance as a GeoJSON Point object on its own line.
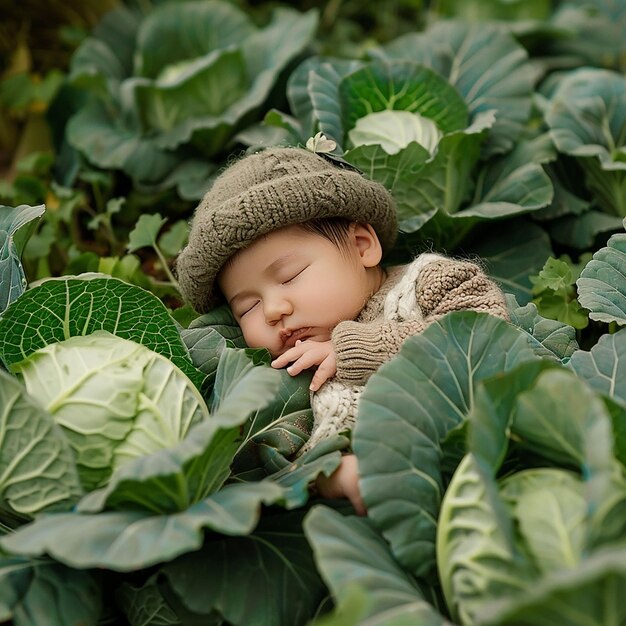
{"type": "Point", "coordinates": [306, 354]}
{"type": "Point", "coordinates": [343, 483]}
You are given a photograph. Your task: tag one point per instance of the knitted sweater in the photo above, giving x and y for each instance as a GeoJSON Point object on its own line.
{"type": "Point", "coordinates": [412, 297]}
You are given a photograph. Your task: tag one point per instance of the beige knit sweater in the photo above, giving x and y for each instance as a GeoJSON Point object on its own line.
{"type": "Point", "coordinates": [412, 297]}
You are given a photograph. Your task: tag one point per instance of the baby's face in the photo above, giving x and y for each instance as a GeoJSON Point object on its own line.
{"type": "Point", "coordinates": [292, 284]}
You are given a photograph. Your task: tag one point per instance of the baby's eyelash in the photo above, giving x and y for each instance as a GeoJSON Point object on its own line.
{"type": "Point", "coordinates": [250, 308]}
{"type": "Point", "coordinates": [286, 282]}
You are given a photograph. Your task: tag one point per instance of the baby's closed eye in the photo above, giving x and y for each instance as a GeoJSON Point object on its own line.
{"type": "Point", "coordinates": [247, 308]}
{"type": "Point", "coordinates": [294, 276]}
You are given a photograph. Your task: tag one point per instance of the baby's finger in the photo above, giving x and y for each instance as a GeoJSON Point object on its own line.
{"type": "Point", "coordinates": [319, 378]}
{"type": "Point", "coordinates": [291, 355]}
{"type": "Point", "coordinates": [309, 359]}
{"type": "Point", "coordinates": [326, 370]}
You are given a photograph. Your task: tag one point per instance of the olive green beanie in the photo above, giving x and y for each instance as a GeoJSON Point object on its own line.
{"type": "Point", "coordinates": [266, 191]}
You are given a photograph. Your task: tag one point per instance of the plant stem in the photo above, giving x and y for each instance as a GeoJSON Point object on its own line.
{"type": "Point", "coordinates": [166, 267]}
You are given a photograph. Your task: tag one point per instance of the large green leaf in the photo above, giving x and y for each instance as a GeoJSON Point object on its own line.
{"type": "Point", "coordinates": [313, 94]}
{"type": "Point", "coordinates": [35, 592]}
{"type": "Point", "coordinates": [580, 231]}
{"type": "Point", "coordinates": [589, 595]}
{"type": "Point", "coordinates": [516, 178]}
{"type": "Point", "coordinates": [476, 552]}
{"type": "Point", "coordinates": [349, 551]}
{"type": "Point", "coordinates": [37, 470]}
{"type": "Point", "coordinates": [105, 58]}
{"type": "Point", "coordinates": [207, 336]}
{"type": "Point", "coordinates": [208, 129]}
{"type": "Point", "coordinates": [16, 226]}
{"type": "Point", "coordinates": [174, 478]}
{"type": "Point", "coordinates": [296, 477]}
{"type": "Point", "coordinates": [492, 412]}
{"type": "Point", "coordinates": [274, 433]}
{"type": "Point", "coordinates": [130, 540]}
{"type": "Point", "coordinates": [174, 33]}
{"type": "Point", "coordinates": [485, 64]}
{"type": "Point", "coordinates": [587, 118]}
{"type": "Point", "coordinates": [273, 566]}
{"type": "Point", "coordinates": [223, 321]}
{"type": "Point", "coordinates": [205, 346]}
{"type": "Point", "coordinates": [58, 309]}
{"type": "Point", "coordinates": [420, 184]}
{"type": "Point", "coordinates": [602, 283]}
{"type": "Point", "coordinates": [206, 87]}
{"type": "Point", "coordinates": [556, 417]}
{"type": "Point", "coordinates": [408, 407]}
{"type": "Point", "coordinates": [323, 89]}
{"type": "Point", "coordinates": [146, 604]}
{"type": "Point", "coordinates": [506, 186]}
{"type": "Point", "coordinates": [403, 86]}
{"type": "Point", "coordinates": [111, 139]}
{"type": "Point", "coordinates": [513, 254]}
{"type": "Point", "coordinates": [400, 173]}
{"type": "Point", "coordinates": [233, 366]}
{"type": "Point", "coordinates": [590, 33]}
{"type": "Point", "coordinates": [550, 510]}
{"type": "Point", "coordinates": [604, 366]}
{"type": "Point", "coordinates": [558, 338]}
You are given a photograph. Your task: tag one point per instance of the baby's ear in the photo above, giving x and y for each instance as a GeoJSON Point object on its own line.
{"type": "Point", "coordinates": [367, 244]}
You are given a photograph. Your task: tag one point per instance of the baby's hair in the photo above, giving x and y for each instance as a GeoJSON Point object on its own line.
{"type": "Point", "coordinates": [335, 229]}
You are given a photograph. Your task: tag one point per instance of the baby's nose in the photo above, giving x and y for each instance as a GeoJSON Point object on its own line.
{"type": "Point", "coordinates": [276, 308]}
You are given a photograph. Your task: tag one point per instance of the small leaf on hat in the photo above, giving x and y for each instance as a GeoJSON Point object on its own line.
{"type": "Point", "coordinates": [320, 144]}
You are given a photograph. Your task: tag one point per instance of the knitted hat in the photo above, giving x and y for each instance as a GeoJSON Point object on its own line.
{"type": "Point", "coordinates": [266, 191]}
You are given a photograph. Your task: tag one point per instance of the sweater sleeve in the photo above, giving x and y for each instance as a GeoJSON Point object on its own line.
{"type": "Point", "coordinates": [442, 286]}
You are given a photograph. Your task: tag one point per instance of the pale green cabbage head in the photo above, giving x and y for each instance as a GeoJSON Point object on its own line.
{"type": "Point", "coordinates": [395, 130]}
{"type": "Point", "coordinates": [115, 400]}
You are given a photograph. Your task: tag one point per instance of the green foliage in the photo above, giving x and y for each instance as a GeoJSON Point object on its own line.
{"type": "Point", "coordinates": [447, 188]}
{"type": "Point", "coordinates": [555, 292]}
{"type": "Point", "coordinates": [15, 227]}
{"type": "Point", "coordinates": [427, 406]}
{"type": "Point", "coordinates": [36, 463]}
{"type": "Point", "coordinates": [393, 597]}
{"type": "Point", "coordinates": [36, 590]}
{"type": "Point", "coordinates": [586, 118]}
{"type": "Point", "coordinates": [115, 400]}
{"type": "Point", "coordinates": [68, 307]}
{"type": "Point", "coordinates": [149, 468]}
{"type": "Point", "coordinates": [601, 285]}
{"type": "Point", "coordinates": [578, 436]}
{"type": "Point", "coordinates": [172, 88]}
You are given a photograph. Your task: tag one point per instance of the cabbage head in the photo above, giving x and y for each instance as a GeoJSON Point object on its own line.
{"type": "Point", "coordinates": [114, 399]}
{"type": "Point", "coordinates": [170, 90]}
{"type": "Point", "coordinates": [395, 130]}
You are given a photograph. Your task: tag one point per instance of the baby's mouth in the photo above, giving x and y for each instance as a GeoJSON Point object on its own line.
{"type": "Point", "coordinates": [289, 336]}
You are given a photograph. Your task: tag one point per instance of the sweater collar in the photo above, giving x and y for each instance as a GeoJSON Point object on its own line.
{"type": "Point", "coordinates": [375, 304]}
